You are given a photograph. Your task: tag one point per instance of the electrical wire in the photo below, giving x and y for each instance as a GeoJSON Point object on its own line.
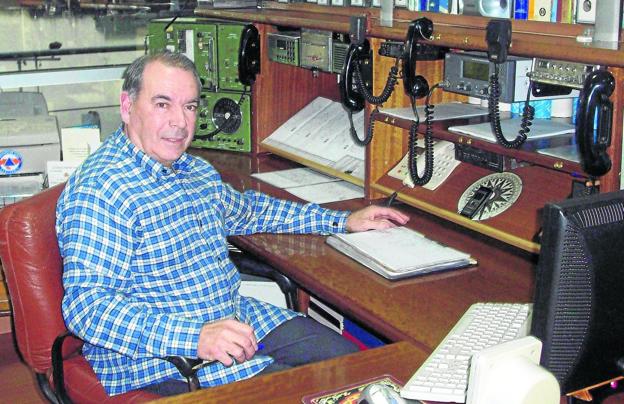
{"type": "Point", "coordinates": [428, 139]}
{"type": "Point", "coordinates": [528, 113]}
{"type": "Point", "coordinates": [369, 132]}
{"type": "Point", "coordinates": [391, 81]}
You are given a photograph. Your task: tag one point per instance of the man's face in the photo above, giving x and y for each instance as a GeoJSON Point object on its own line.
{"type": "Point", "coordinates": [161, 120]}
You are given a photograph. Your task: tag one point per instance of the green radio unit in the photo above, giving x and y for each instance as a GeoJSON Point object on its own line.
{"type": "Point", "coordinates": [223, 121]}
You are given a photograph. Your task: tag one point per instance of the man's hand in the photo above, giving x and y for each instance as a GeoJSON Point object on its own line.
{"type": "Point", "coordinates": [375, 217]}
{"type": "Point", "coordinates": [226, 341]}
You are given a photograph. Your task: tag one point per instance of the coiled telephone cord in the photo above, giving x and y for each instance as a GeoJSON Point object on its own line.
{"type": "Point", "coordinates": [369, 132]}
{"type": "Point", "coordinates": [528, 113]}
{"type": "Point", "coordinates": [393, 78]}
{"type": "Point", "coordinates": [428, 137]}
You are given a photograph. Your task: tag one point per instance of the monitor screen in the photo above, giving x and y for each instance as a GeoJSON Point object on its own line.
{"type": "Point", "coordinates": [578, 311]}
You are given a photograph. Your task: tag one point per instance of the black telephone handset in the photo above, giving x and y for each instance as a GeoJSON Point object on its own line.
{"type": "Point", "coordinates": [498, 38]}
{"type": "Point", "coordinates": [356, 79]}
{"type": "Point", "coordinates": [415, 86]}
{"type": "Point", "coordinates": [351, 97]}
{"type": "Point", "coordinates": [249, 55]}
{"type": "Point", "coordinates": [593, 122]}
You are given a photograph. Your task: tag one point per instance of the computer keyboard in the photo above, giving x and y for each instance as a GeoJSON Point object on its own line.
{"type": "Point", "coordinates": [444, 375]}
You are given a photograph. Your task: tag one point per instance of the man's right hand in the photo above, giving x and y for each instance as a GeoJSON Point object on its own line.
{"type": "Point", "coordinates": [226, 341]}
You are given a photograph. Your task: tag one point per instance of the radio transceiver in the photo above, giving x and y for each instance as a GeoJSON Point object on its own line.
{"type": "Point", "coordinates": [468, 73]}
{"type": "Point", "coordinates": [284, 47]}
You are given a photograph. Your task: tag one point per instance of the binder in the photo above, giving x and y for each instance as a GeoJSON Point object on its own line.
{"type": "Point", "coordinates": [399, 252]}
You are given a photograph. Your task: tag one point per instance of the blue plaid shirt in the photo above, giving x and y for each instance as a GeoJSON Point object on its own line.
{"type": "Point", "coordinates": [146, 261]}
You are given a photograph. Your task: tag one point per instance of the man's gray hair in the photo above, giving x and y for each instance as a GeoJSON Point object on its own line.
{"type": "Point", "coordinates": [133, 75]}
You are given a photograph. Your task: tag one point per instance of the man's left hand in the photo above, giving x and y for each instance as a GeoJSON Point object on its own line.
{"type": "Point", "coordinates": [375, 217]}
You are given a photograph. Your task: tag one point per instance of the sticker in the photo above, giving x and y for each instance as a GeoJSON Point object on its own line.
{"type": "Point", "coordinates": [10, 162]}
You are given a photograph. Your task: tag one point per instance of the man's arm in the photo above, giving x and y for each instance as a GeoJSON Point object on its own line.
{"type": "Point", "coordinates": [254, 212]}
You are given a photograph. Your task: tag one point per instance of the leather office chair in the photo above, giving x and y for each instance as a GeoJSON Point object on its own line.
{"type": "Point", "coordinates": [33, 272]}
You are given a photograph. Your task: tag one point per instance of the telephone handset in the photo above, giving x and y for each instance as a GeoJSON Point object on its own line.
{"type": "Point", "coordinates": [415, 86]}
{"type": "Point", "coordinates": [444, 153]}
{"type": "Point", "coordinates": [498, 38]}
{"type": "Point", "coordinates": [351, 97]}
{"type": "Point", "coordinates": [355, 82]}
{"type": "Point", "coordinates": [593, 122]}
{"type": "Point", "coordinates": [249, 55]}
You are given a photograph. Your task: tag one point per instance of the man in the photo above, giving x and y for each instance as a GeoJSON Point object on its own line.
{"type": "Point", "coordinates": [142, 229]}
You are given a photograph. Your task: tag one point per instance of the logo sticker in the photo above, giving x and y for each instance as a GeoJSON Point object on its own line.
{"type": "Point", "coordinates": [10, 162]}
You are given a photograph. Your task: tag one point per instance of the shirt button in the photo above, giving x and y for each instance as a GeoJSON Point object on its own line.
{"type": "Point", "coordinates": [335, 224]}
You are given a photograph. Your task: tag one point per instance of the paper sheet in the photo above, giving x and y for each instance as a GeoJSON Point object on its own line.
{"type": "Point", "coordinates": [328, 192]}
{"type": "Point", "coordinates": [295, 177]}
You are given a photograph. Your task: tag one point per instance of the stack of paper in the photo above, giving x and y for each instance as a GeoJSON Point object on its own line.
{"type": "Point", "coordinates": [399, 252]}
{"type": "Point", "coordinates": [320, 133]}
{"type": "Point", "coordinates": [311, 185]}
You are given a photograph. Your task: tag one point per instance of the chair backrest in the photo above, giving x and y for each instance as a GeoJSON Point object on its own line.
{"type": "Point", "coordinates": [33, 270]}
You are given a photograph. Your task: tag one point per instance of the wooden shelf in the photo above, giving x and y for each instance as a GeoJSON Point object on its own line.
{"type": "Point", "coordinates": [516, 226]}
{"type": "Point", "coordinates": [527, 153]}
{"type": "Point", "coordinates": [529, 38]}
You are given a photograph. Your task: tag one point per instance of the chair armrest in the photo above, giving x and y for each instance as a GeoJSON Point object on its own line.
{"type": "Point", "coordinates": [187, 367]}
{"type": "Point", "coordinates": [249, 265]}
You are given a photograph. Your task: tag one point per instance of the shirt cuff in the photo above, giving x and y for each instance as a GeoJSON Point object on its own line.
{"type": "Point", "coordinates": [334, 221]}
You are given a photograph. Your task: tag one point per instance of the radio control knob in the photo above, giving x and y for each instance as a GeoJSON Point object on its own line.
{"type": "Point", "coordinates": [484, 91]}
{"type": "Point", "coordinates": [467, 87]}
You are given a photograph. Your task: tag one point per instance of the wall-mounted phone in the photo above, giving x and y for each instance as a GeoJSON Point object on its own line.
{"type": "Point", "coordinates": [593, 122]}
{"type": "Point", "coordinates": [415, 86]}
{"type": "Point", "coordinates": [498, 38]}
{"type": "Point", "coordinates": [444, 155]}
{"type": "Point", "coordinates": [356, 78]}
{"type": "Point", "coordinates": [249, 55]}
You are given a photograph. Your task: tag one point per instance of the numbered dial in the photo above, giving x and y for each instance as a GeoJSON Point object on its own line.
{"type": "Point", "coordinates": [506, 189]}
{"type": "Point", "coordinates": [226, 115]}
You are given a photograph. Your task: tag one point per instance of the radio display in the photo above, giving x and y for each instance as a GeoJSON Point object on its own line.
{"type": "Point", "coordinates": [475, 70]}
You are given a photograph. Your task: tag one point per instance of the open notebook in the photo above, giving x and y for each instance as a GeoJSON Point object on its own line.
{"type": "Point", "coordinates": [399, 252]}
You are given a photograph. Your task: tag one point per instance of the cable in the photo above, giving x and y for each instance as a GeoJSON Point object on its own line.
{"type": "Point", "coordinates": [210, 136]}
{"type": "Point", "coordinates": [388, 88]}
{"type": "Point", "coordinates": [393, 196]}
{"type": "Point", "coordinates": [369, 133]}
{"type": "Point", "coordinates": [413, 139]}
{"type": "Point", "coordinates": [528, 113]}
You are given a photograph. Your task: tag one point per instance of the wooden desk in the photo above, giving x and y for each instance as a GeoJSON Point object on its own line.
{"type": "Point", "coordinates": [400, 360]}
{"type": "Point", "coordinates": [421, 310]}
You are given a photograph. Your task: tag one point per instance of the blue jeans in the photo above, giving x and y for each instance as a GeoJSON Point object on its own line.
{"type": "Point", "coordinates": [296, 342]}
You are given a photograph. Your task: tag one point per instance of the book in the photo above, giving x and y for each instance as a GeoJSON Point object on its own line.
{"type": "Point", "coordinates": [350, 393]}
{"type": "Point", "coordinates": [521, 10]}
{"type": "Point", "coordinates": [540, 10]}
{"type": "Point", "coordinates": [399, 252]}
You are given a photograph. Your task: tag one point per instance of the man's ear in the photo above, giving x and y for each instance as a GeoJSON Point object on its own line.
{"type": "Point", "coordinates": [125, 103]}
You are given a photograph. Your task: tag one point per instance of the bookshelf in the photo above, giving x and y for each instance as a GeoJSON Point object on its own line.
{"type": "Point", "coordinates": [282, 90]}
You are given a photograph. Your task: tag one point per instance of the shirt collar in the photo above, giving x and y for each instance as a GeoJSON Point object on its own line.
{"type": "Point", "coordinates": [154, 168]}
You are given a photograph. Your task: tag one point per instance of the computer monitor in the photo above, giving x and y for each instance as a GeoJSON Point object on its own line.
{"type": "Point", "coordinates": [578, 311]}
